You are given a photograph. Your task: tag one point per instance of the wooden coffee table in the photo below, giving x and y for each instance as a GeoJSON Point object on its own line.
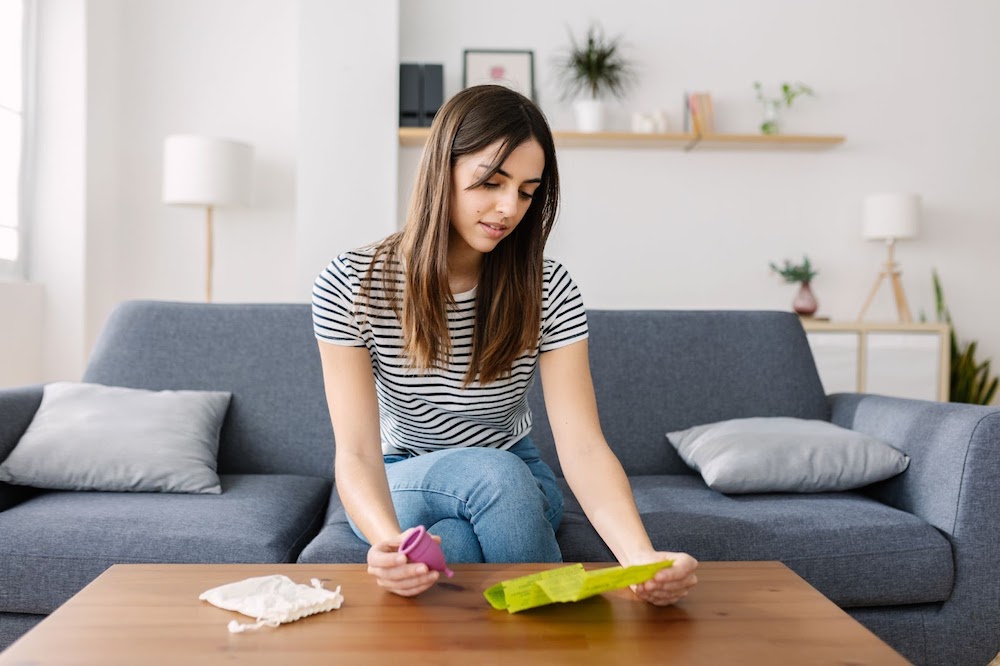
{"type": "Point", "coordinates": [741, 612]}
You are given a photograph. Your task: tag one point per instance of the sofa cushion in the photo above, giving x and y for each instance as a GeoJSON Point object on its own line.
{"type": "Point", "coordinates": [51, 546]}
{"type": "Point", "coordinates": [853, 549]}
{"type": "Point", "coordinates": [15, 625]}
{"type": "Point", "coordinates": [336, 542]}
{"type": "Point", "coordinates": [657, 371]}
{"type": "Point", "coordinates": [784, 454]}
{"type": "Point", "coordinates": [95, 437]}
{"type": "Point", "coordinates": [264, 354]}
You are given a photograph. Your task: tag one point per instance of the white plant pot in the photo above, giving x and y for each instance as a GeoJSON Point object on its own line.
{"type": "Point", "coordinates": [589, 115]}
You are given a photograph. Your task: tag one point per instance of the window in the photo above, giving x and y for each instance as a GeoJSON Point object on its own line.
{"type": "Point", "coordinates": [13, 130]}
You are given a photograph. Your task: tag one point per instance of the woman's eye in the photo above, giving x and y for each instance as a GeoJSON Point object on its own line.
{"type": "Point", "coordinates": [523, 195]}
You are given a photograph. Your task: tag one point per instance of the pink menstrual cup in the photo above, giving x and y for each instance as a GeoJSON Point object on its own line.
{"type": "Point", "coordinates": [420, 547]}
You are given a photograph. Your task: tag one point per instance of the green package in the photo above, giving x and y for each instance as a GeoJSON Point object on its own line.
{"type": "Point", "coordinates": [566, 584]}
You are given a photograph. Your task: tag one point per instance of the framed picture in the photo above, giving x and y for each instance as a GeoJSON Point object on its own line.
{"type": "Point", "coordinates": [514, 69]}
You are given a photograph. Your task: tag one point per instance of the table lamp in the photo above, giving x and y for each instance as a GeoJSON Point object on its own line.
{"type": "Point", "coordinates": [209, 172]}
{"type": "Point", "coordinates": [890, 217]}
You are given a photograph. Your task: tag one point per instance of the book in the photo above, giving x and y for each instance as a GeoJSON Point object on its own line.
{"type": "Point", "coordinates": [709, 115]}
{"type": "Point", "coordinates": [695, 111]}
{"type": "Point", "coordinates": [702, 115]}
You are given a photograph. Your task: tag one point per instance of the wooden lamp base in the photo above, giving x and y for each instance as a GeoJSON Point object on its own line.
{"type": "Point", "coordinates": [894, 275]}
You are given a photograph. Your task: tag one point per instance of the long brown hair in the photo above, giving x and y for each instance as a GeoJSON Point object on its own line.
{"type": "Point", "coordinates": [508, 309]}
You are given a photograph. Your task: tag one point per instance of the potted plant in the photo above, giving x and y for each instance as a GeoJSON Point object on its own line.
{"type": "Point", "coordinates": [805, 302]}
{"type": "Point", "coordinates": [789, 91]}
{"type": "Point", "coordinates": [971, 381]}
{"type": "Point", "coordinates": [591, 71]}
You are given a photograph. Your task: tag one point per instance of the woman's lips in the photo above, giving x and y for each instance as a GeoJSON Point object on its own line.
{"type": "Point", "coordinates": [493, 231]}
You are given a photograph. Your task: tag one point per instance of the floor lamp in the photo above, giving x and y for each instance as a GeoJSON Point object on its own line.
{"type": "Point", "coordinates": [891, 217]}
{"type": "Point", "coordinates": [206, 172]}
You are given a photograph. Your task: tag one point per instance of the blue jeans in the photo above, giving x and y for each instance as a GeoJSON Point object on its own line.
{"type": "Point", "coordinates": [486, 505]}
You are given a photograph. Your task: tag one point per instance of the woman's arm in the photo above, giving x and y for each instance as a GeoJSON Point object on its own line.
{"type": "Point", "coordinates": [359, 469]}
{"type": "Point", "coordinates": [596, 476]}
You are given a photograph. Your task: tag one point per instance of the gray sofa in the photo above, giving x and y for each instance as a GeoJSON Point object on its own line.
{"type": "Point", "coordinates": [914, 558]}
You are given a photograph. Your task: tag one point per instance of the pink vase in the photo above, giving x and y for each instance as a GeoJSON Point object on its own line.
{"type": "Point", "coordinates": [805, 303]}
{"type": "Point", "coordinates": [420, 547]}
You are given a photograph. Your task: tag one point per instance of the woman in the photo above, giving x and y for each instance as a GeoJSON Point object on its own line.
{"type": "Point", "coordinates": [429, 340]}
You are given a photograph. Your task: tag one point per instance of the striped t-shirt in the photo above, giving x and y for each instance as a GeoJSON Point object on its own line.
{"type": "Point", "coordinates": [426, 410]}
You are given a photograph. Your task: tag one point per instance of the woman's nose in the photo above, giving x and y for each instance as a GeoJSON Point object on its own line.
{"type": "Point", "coordinates": [507, 202]}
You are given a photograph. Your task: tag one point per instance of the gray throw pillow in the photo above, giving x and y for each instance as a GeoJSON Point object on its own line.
{"type": "Point", "coordinates": [94, 437]}
{"type": "Point", "coordinates": [782, 454]}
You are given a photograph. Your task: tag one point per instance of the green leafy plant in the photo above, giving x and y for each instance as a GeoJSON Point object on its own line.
{"type": "Point", "coordinates": [970, 380]}
{"type": "Point", "coordinates": [596, 66]}
{"type": "Point", "coordinates": [789, 91]}
{"type": "Point", "coordinates": [803, 272]}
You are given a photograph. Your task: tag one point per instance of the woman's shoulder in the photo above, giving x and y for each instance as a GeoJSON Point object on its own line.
{"type": "Point", "coordinates": [355, 260]}
{"type": "Point", "coordinates": [558, 286]}
{"type": "Point", "coordinates": [553, 270]}
{"type": "Point", "coordinates": [358, 261]}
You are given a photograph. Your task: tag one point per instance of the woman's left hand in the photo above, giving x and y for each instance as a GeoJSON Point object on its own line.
{"type": "Point", "coordinates": [669, 585]}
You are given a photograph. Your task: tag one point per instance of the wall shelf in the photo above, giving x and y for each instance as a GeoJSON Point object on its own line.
{"type": "Point", "coordinates": [417, 136]}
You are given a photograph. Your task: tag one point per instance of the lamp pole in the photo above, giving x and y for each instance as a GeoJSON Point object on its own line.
{"type": "Point", "coordinates": [208, 254]}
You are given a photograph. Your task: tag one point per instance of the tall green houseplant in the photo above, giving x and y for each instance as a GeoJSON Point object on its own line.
{"type": "Point", "coordinates": [971, 381]}
{"type": "Point", "coordinates": [595, 67]}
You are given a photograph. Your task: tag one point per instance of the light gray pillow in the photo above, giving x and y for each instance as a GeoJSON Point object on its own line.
{"type": "Point", "coordinates": [94, 437]}
{"type": "Point", "coordinates": [782, 454]}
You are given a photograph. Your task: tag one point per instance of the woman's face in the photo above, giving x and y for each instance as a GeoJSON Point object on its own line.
{"type": "Point", "coordinates": [483, 216]}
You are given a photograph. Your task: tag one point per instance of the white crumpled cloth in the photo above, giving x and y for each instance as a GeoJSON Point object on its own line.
{"type": "Point", "coordinates": [272, 600]}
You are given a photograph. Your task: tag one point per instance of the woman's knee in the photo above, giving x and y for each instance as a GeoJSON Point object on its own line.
{"type": "Point", "coordinates": [502, 469]}
{"type": "Point", "coordinates": [458, 540]}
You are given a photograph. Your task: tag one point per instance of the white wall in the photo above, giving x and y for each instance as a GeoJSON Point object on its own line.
{"type": "Point", "coordinates": [223, 68]}
{"type": "Point", "coordinates": [349, 73]}
{"type": "Point", "coordinates": [105, 249]}
{"type": "Point", "coordinates": [116, 77]}
{"type": "Point", "coordinates": [910, 83]}
{"type": "Point", "coordinates": [58, 200]}
{"type": "Point", "coordinates": [20, 347]}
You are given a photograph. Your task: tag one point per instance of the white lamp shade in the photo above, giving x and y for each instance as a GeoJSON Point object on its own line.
{"type": "Point", "coordinates": [891, 215]}
{"type": "Point", "coordinates": [205, 171]}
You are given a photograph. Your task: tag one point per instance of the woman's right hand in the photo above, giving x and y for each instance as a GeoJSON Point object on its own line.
{"type": "Point", "coordinates": [394, 572]}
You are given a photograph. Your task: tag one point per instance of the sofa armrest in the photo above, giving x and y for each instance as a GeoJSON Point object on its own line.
{"type": "Point", "coordinates": [952, 484]}
{"type": "Point", "coordinates": [17, 407]}
{"type": "Point", "coordinates": [954, 451]}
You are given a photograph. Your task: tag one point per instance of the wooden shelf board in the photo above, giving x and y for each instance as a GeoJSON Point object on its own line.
{"type": "Point", "coordinates": [623, 140]}
{"type": "Point", "coordinates": [417, 136]}
{"type": "Point", "coordinates": [413, 136]}
{"type": "Point", "coordinates": [881, 326]}
{"type": "Point", "coordinates": [768, 142]}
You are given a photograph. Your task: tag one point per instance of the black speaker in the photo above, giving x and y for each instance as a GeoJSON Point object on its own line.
{"type": "Point", "coordinates": [433, 93]}
{"type": "Point", "coordinates": [421, 93]}
{"type": "Point", "coordinates": [409, 95]}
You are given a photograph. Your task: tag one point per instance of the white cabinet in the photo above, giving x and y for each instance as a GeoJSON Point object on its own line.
{"type": "Point", "coordinates": [902, 360]}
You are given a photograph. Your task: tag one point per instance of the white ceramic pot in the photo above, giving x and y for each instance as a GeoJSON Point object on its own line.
{"type": "Point", "coordinates": [589, 115]}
